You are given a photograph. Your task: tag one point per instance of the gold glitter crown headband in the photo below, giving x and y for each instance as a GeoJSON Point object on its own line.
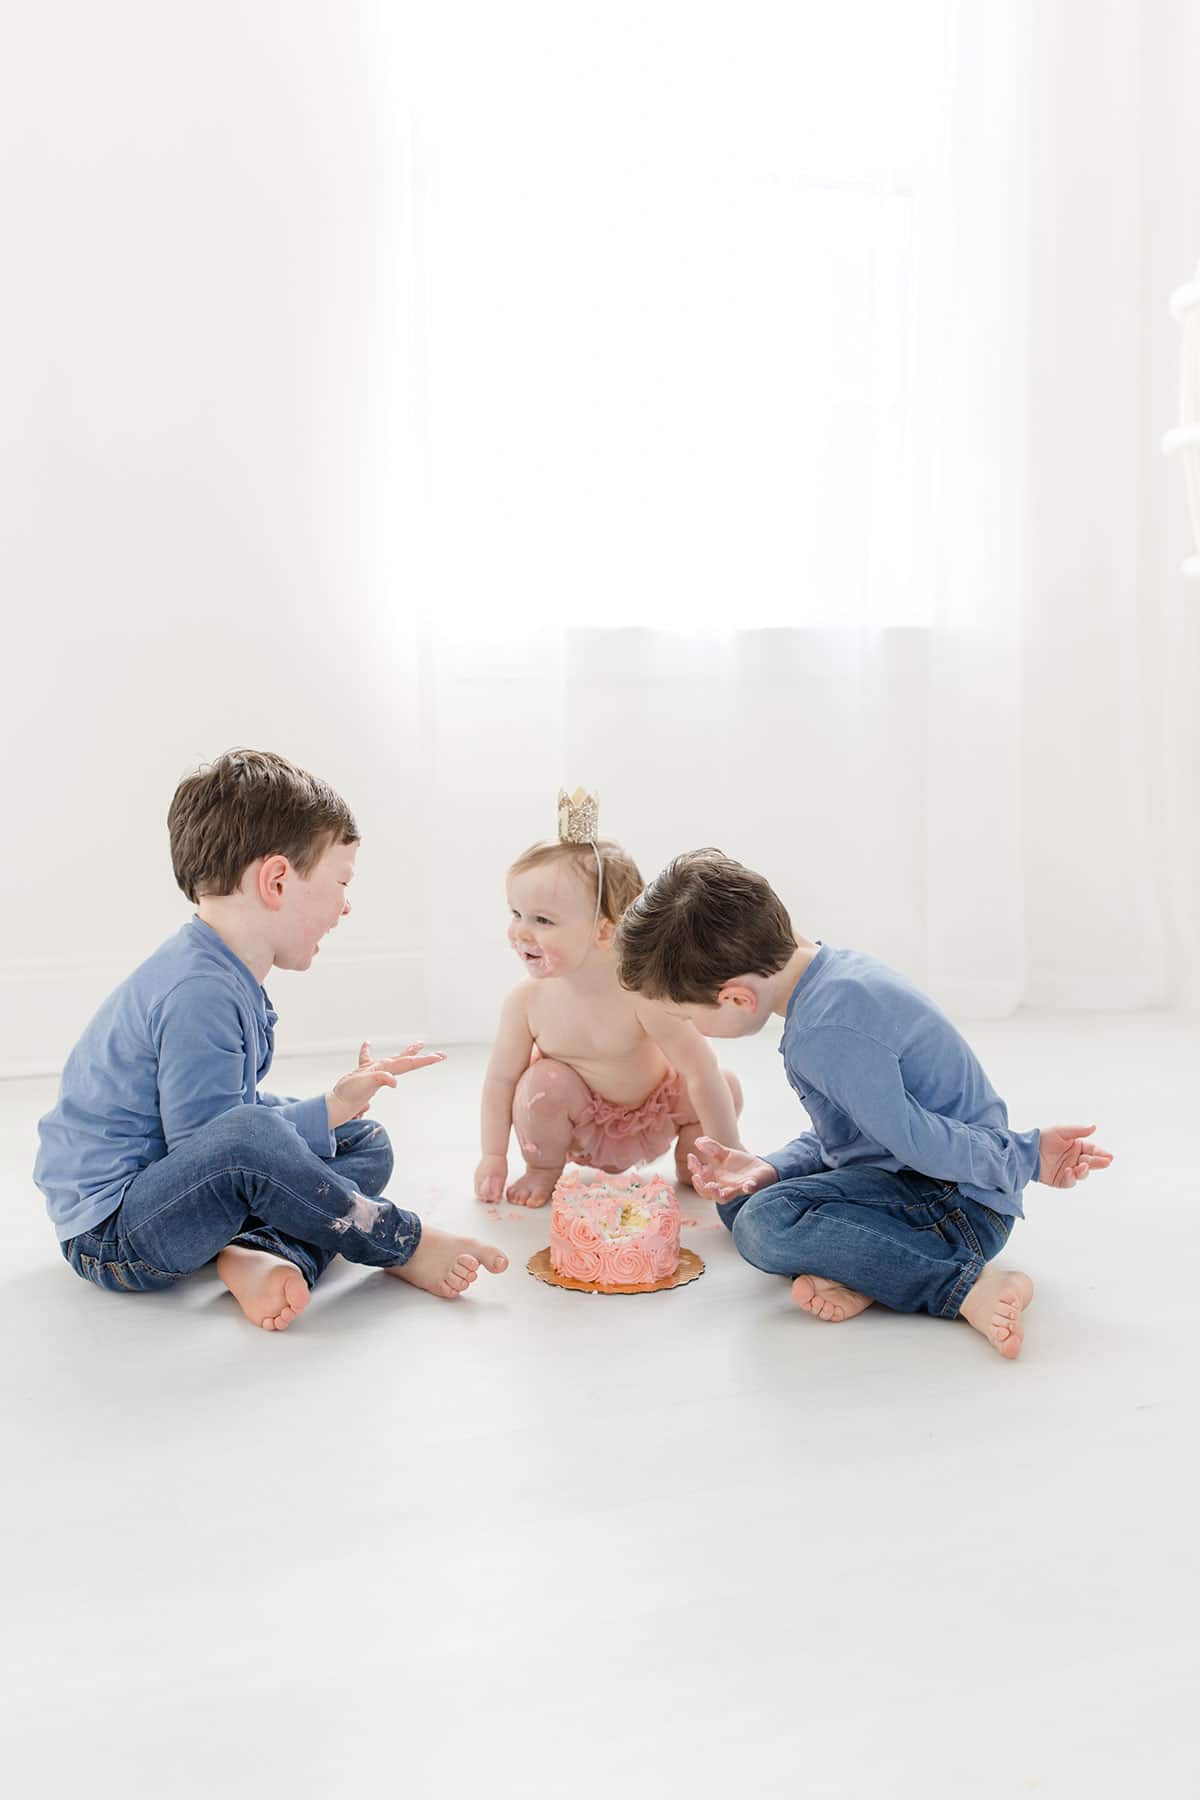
{"type": "Point", "coordinates": [578, 819]}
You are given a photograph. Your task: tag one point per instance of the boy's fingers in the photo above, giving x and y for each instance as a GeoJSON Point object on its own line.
{"type": "Point", "coordinates": [701, 1180]}
{"type": "Point", "coordinates": [379, 1078]}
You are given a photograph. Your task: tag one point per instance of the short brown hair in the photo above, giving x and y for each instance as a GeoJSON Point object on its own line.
{"type": "Point", "coordinates": [704, 921]}
{"type": "Point", "coordinates": [248, 804]}
{"type": "Point", "coordinates": [622, 877]}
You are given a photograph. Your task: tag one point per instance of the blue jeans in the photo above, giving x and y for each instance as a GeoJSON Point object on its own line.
{"type": "Point", "coordinates": [909, 1241]}
{"type": "Point", "coordinates": [249, 1178]}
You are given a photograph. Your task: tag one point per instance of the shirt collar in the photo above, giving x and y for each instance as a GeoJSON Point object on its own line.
{"type": "Point", "coordinates": [806, 981]}
{"type": "Point", "coordinates": [212, 940]}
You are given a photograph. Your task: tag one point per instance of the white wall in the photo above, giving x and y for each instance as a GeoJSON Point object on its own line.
{"type": "Point", "coordinates": [1169, 602]}
{"type": "Point", "coordinates": [203, 492]}
{"type": "Point", "coordinates": [1110, 750]}
{"type": "Point", "coordinates": [195, 227]}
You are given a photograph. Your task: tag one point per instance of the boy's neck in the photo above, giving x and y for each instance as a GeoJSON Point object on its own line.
{"type": "Point", "coordinates": [781, 987]}
{"type": "Point", "coordinates": [239, 931]}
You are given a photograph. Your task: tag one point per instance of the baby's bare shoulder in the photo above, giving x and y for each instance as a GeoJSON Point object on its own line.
{"type": "Point", "coordinates": [515, 1014]}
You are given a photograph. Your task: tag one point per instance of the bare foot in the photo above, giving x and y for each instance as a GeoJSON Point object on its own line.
{"type": "Point", "coordinates": [534, 1187]}
{"type": "Point", "coordinates": [994, 1307]}
{"type": "Point", "coordinates": [270, 1291]}
{"type": "Point", "coordinates": [446, 1265]}
{"type": "Point", "coordinates": [828, 1300]}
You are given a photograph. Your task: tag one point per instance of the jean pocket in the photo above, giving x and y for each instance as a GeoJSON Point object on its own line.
{"type": "Point", "coordinates": [931, 1199]}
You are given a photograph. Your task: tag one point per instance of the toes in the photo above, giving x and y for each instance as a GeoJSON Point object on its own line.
{"type": "Point", "coordinates": [493, 1260]}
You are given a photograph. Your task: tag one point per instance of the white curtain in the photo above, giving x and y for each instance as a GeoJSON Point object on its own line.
{"type": "Point", "coordinates": [741, 477]}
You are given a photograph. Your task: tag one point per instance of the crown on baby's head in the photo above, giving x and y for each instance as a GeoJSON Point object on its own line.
{"type": "Point", "coordinates": [618, 880]}
{"type": "Point", "coordinates": [578, 817]}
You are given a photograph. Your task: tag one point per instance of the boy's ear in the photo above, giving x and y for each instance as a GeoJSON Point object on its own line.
{"type": "Point", "coordinates": [269, 882]}
{"type": "Point", "coordinates": [606, 933]}
{"type": "Point", "coordinates": [736, 993]}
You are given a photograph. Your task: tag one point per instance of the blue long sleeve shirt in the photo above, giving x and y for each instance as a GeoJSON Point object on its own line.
{"type": "Point", "coordinates": [890, 1084]}
{"type": "Point", "coordinates": [188, 1036]}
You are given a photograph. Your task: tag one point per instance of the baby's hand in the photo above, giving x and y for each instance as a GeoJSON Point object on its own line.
{"type": "Point", "coordinates": [490, 1178]}
{"type": "Point", "coordinates": [1067, 1157]}
{"type": "Point", "coordinates": [722, 1174]}
{"type": "Point", "coordinates": [351, 1095]}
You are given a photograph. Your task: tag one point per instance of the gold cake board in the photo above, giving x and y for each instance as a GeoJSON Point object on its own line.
{"type": "Point", "coordinates": [690, 1267]}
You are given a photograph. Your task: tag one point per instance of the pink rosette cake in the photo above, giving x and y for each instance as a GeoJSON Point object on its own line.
{"type": "Point", "coordinates": [621, 1232]}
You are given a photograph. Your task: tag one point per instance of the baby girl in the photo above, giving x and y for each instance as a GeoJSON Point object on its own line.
{"type": "Point", "coordinates": [586, 1071]}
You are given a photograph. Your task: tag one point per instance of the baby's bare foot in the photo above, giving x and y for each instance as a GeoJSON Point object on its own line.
{"type": "Point", "coordinates": [446, 1265]}
{"type": "Point", "coordinates": [534, 1187]}
{"type": "Point", "coordinates": [828, 1300]}
{"type": "Point", "coordinates": [270, 1291]}
{"type": "Point", "coordinates": [994, 1307]}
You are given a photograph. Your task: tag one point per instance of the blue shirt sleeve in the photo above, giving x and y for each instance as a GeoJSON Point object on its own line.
{"type": "Point", "coordinates": [205, 1068]}
{"type": "Point", "coordinates": [803, 1156]}
{"type": "Point", "coordinates": [864, 1078]}
{"type": "Point", "coordinates": [310, 1117]}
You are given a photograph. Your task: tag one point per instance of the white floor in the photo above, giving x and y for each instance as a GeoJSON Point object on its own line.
{"type": "Point", "coordinates": [544, 1543]}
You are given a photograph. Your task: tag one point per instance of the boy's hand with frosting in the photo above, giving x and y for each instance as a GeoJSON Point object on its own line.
{"type": "Point", "coordinates": [351, 1096]}
{"type": "Point", "coordinates": [723, 1174]}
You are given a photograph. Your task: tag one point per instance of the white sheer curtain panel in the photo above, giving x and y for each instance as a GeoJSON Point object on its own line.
{"type": "Point", "coordinates": [715, 449]}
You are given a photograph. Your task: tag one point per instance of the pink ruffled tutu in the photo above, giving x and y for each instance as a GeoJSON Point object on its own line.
{"type": "Point", "coordinates": [612, 1137]}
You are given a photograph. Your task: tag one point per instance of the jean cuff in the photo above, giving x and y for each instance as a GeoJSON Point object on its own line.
{"type": "Point", "coordinates": [255, 1240]}
{"type": "Point", "coordinates": [962, 1288]}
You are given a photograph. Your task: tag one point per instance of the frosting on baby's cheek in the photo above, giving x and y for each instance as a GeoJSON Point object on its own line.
{"type": "Point", "coordinates": [541, 963]}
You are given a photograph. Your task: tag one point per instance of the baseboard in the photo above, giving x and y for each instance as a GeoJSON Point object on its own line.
{"type": "Point", "coordinates": [370, 991]}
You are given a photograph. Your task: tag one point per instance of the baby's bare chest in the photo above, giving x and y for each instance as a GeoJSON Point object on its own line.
{"type": "Point", "coordinates": [602, 1030]}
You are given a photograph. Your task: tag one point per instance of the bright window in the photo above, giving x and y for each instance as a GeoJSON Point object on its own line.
{"type": "Point", "coordinates": [677, 269]}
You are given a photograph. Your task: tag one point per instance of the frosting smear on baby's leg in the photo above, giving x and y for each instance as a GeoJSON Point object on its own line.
{"type": "Point", "coordinates": [547, 1096]}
